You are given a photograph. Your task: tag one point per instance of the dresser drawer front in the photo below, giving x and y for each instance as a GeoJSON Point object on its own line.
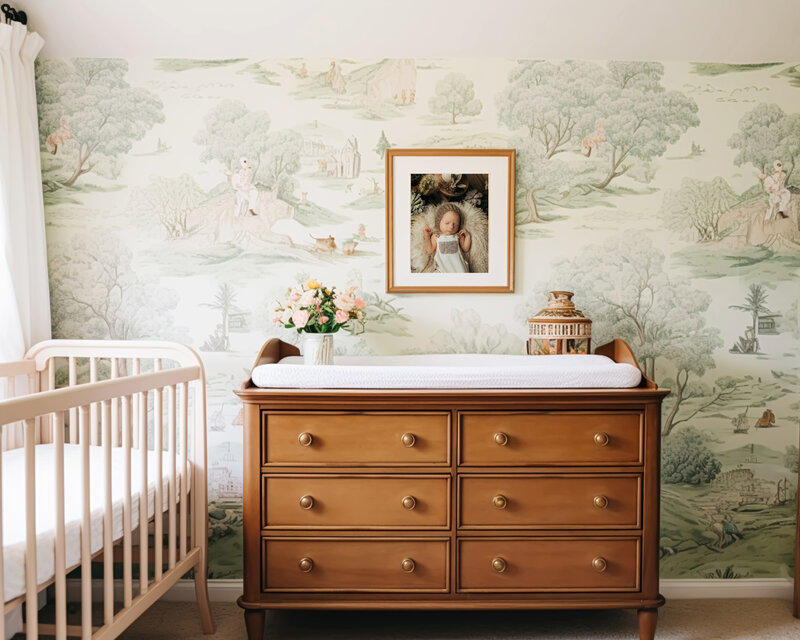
{"type": "Point", "coordinates": [355, 502]}
{"type": "Point", "coordinates": [550, 438]}
{"type": "Point", "coordinates": [550, 501]}
{"type": "Point", "coordinates": [586, 564]}
{"type": "Point", "coordinates": [355, 564]}
{"type": "Point", "coordinates": [368, 439]}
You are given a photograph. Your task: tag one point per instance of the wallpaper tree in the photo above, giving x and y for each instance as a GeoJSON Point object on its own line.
{"type": "Point", "coordinates": [455, 96]}
{"type": "Point", "coordinates": [96, 293]}
{"type": "Point", "coordinates": [641, 118]}
{"type": "Point", "coordinates": [172, 200]}
{"type": "Point", "coordinates": [89, 108]}
{"type": "Point", "coordinates": [537, 175]}
{"type": "Point", "coordinates": [695, 208]}
{"type": "Point", "coordinates": [233, 132]}
{"type": "Point", "coordinates": [553, 101]}
{"type": "Point", "coordinates": [766, 134]}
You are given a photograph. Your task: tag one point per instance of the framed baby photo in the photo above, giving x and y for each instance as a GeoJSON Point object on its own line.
{"type": "Point", "coordinates": [450, 220]}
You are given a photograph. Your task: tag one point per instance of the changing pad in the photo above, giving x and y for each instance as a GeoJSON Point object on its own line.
{"type": "Point", "coordinates": [450, 371]}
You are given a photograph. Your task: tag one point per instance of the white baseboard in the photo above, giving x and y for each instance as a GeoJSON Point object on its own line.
{"type": "Point", "coordinates": [230, 590]}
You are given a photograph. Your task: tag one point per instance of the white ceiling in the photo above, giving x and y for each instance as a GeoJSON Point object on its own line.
{"type": "Point", "coordinates": [695, 30]}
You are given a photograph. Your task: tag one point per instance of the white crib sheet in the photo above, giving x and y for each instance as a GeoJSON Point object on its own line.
{"type": "Point", "coordinates": [451, 371]}
{"type": "Point", "coordinates": [14, 505]}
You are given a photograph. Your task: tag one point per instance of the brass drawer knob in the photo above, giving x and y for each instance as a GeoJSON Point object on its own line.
{"type": "Point", "coordinates": [408, 439]}
{"type": "Point", "coordinates": [306, 502]}
{"type": "Point", "coordinates": [499, 565]}
{"type": "Point", "coordinates": [601, 439]}
{"type": "Point", "coordinates": [500, 439]}
{"type": "Point", "coordinates": [599, 564]}
{"type": "Point", "coordinates": [306, 565]}
{"type": "Point", "coordinates": [500, 501]}
{"type": "Point", "coordinates": [601, 502]}
{"type": "Point", "coordinates": [409, 503]}
{"type": "Point", "coordinates": [408, 565]}
{"type": "Point", "coordinates": [305, 439]}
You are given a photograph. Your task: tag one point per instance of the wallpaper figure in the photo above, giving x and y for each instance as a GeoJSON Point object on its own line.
{"type": "Point", "coordinates": [775, 186]}
{"type": "Point", "coordinates": [246, 193]}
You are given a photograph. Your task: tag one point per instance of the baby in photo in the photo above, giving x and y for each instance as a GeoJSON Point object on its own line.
{"type": "Point", "coordinates": [449, 242]}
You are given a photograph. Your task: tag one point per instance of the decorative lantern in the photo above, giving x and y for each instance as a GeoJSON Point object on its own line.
{"type": "Point", "coordinates": [559, 328]}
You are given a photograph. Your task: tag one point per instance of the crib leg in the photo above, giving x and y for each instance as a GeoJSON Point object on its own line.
{"type": "Point", "coordinates": [201, 594]}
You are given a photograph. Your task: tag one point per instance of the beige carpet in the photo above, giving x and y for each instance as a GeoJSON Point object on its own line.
{"type": "Point", "coordinates": [760, 619]}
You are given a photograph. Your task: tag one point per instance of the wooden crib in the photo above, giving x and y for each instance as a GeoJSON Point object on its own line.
{"type": "Point", "coordinates": [89, 426]}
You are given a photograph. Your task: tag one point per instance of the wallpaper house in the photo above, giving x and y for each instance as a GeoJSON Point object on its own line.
{"type": "Point", "coordinates": [647, 188]}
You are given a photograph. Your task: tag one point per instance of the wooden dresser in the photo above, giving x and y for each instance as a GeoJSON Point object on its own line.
{"type": "Point", "coordinates": [451, 499]}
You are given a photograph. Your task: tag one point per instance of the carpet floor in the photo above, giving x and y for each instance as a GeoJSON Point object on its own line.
{"type": "Point", "coordinates": [753, 619]}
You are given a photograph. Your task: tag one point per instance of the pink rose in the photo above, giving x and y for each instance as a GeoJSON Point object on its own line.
{"type": "Point", "coordinates": [359, 303]}
{"type": "Point", "coordinates": [323, 319]}
{"type": "Point", "coordinates": [341, 316]}
{"type": "Point", "coordinates": [300, 318]}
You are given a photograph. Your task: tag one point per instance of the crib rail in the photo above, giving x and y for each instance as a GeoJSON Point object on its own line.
{"type": "Point", "coordinates": [133, 411]}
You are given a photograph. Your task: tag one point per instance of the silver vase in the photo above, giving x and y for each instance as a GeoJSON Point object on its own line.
{"type": "Point", "coordinates": [317, 348]}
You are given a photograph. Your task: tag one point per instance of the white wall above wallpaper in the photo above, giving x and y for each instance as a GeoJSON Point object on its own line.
{"type": "Point", "coordinates": [720, 30]}
{"type": "Point", "coordinates": [642, 187]}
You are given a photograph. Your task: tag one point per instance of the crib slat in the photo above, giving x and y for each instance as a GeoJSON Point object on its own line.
{"type": "Point", "coordinates": [9, 434]}
{"type": "Point", "coordinates": [184, 465]}
{"type": "Point", "coordinates": [60, 548]}
{"type": "Point", "coordinates": [127, 573]}
{"type": "Point", "coordinates": [95, 407]}
{"type": "Point", "coordinates": [114, 406]}
{"type": "Point", "coordinates": [31, 599]}
{"type": "Point", "coordinates": [86, 529]}
{"type": "Point", "coordinates": [158, 500]}
{"type": "Point", "coordinates": [108, 523]}
{"type": "Point", "coordinates": [135, 371]}
{"type": "Point", "coordinates": [51, 379]}
{"type": "Point", "coordinates": [143, 496]}
{"type": "Point", "coordinates": [172, 473]}
{"type": "Point", "coordinates": [73, 413]}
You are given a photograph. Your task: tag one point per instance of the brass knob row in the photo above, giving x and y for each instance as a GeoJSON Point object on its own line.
{"type": "Point", "coordinates": [306, 565]}
{"type": "Point", "coordinates": [601, 439]}
{"type": "Point", "coordinates": [306, 439]}
{"type": "Point", "coordinates": [499, 564]}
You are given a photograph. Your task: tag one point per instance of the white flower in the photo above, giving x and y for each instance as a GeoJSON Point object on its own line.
{"type": "Point", "coordinates": [286, 315]}
{"type": "Point", "coordinates": [307, 298]}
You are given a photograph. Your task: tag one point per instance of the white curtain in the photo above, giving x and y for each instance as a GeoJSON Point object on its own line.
{"type": "Point", "coordinates": [24, 290]}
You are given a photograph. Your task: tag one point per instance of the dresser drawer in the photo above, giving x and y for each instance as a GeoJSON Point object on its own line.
{"type": "Point", "coordinates": [557, 438]}
{"type": "Point", "coordinates": [549, 564]}
{"type": "Point", "coordinates": [355, 564]}
{"type": "Point", "coordinates": [364, 439]}
{"type": "Point", "coordinates": [550, 501]}
{"type": "Point", "coordinates": [323, 501]}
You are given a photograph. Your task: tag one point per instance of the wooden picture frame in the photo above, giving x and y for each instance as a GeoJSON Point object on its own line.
{"type": "Point", "coordinates": [424, 251]}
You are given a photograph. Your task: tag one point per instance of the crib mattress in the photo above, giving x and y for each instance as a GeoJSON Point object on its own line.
{"type": "Point", "coordinates": [14, 505]}
{"type": "Point", "coordinates": [451, 371]}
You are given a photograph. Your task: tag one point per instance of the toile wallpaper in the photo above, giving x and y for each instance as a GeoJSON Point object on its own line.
{"type": "Point", "coordinates": [183, 197]}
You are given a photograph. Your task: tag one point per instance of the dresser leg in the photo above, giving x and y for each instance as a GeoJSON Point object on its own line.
{"type": "Point", "coordinates": [647, 623]}
{"type": "Point", "coordinates": [254, 622]}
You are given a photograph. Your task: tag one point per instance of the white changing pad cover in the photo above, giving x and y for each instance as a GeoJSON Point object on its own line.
{"type": "Point", "coordinates": [450, 371]}
{"type": "Point", "coordinates": [14, 505]}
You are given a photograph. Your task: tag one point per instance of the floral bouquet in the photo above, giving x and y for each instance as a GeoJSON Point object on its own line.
{"type": "Point", "coordinates": [312, 308]}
